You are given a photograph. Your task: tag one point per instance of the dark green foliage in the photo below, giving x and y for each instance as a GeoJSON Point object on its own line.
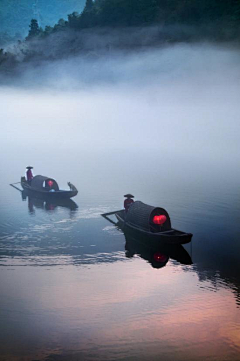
{"type": "Point", "coordinates": [116, 13]}
{"type": "Point", "coordinates": [15, 15]}
{"type": "Point", "coordinates": [48, 30]}
{"type": "Point", "coordinates": [89, 5]}
{"type": "Point", "coordinates": [214, 15]}
{"type": "Point", "coordinates": [1, 55]}
{"type": "Point", "coordinates": [144, 12]}
{"type": "Point", "coordinates": [34, 29]}
{"type": "Point", "coordinates": [128, 13]}
{"type": "Point", "coordinates": [61, 25]}
{"type": "Point", "coordinates": [7, 62]}
{"type": "Point", "coordinates": [176, 20]}
{"type": "Point", "coordinates": [73, 20]}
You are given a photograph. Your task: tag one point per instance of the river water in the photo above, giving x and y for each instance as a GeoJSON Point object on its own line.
{"type": "Point", "coordinates": [73, 286]}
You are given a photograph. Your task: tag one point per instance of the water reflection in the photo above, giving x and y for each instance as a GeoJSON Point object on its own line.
{"type": "Point", "coordinates": [48, 205]}
{"type": "Point", "coordinates": [157, 256]}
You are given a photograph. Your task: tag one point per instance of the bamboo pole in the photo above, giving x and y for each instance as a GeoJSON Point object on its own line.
{"type": "Point", "coordinates": [12, 185]}
{"type": "Point", "coordinates": [110, 213]}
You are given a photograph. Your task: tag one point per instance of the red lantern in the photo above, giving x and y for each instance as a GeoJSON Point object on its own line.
{"type": "Point", "coordinates": [50, 183]}
{"type": "Point", "coordinates": [159, 219]}
{"type": "Point", "coordinates": [159, 257]}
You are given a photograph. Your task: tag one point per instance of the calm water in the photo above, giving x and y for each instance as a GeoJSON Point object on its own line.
{"type": "Point", "coordinates": [73, 287]}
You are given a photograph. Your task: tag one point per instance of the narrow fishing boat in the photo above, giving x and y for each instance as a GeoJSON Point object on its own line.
{"type": "Point", "coordinates": [153, 222]}
{"type": "Point", "coordinates": [41, 186]}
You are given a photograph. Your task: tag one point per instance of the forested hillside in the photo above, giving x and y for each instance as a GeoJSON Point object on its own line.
{"type": "Point", "coordinates": [139, 12]}
{"type": "Point", "coordinates": [15, 15]}
{"type": "Point", "coordinates": [104, 25]}
{"type": "Point", "coordinates": [221, 18]}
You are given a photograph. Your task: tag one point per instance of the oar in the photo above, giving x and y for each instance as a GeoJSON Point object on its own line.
{"type": "Point", "coordinates": [110, 213]}
{"type": "Point", "coordinates": [105, 215]}
{"type": "Point", "coordinates": [12, 185]}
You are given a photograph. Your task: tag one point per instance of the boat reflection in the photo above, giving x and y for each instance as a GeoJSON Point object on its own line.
{"type": "Point", "coordinates": [157, 255]}
{"type": "Point", "coordinates": [52, 205]}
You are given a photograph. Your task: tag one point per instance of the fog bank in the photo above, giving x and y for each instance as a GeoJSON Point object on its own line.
{"type": "Point", "coordinates": [179, 102]}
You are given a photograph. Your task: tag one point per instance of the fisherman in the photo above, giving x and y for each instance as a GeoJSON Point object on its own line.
{"type": "Point", "coordinates": [29, 174]}
{"type": "Point", "coordinates": [128, 201]}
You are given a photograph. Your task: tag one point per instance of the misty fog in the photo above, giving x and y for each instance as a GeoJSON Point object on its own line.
{"type": "Point", "coordinates": [173, 111]}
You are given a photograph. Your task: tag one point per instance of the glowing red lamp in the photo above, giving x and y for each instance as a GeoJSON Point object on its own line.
{"type": "Point", "coordinates": [159, 219]}
{"type": "Point", "coordinates": [50, 183]}
{"type": "Point", "coordinates": [159, 257]}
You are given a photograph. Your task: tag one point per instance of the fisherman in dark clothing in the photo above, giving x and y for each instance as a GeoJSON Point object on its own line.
{"type": "Point", "coordinates": [128, 201]}
{"type": "Point", "coordinates": [29, 174]}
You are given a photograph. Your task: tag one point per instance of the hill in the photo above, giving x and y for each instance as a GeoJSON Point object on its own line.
{"type": "Point", "coordinates": [106, 25]}
{"type": "Point", "coordinates": [15, 15]}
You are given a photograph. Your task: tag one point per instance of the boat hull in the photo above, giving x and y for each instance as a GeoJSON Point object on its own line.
{"type": "Point", "coordinates": [170, 237]}
{"type": "Point", "coordinates": [57, 195]}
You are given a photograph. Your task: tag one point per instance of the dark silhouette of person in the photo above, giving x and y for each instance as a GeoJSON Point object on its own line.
{"type": "Point", "coordinates": [128, 201]}
{"type": "Point", "coordinates": [29, 174]}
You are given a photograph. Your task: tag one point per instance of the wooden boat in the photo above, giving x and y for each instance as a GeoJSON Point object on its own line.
{"type": "Point", "coordinates": [45, 187]}
{"type": "Point", "coordinates": [140, 220]}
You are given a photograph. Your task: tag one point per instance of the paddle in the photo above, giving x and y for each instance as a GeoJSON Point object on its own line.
{"type": "Point", "coordinates": [105, 215]}
{"type": "Point", "coordinates": [110, 213]}
{"type": "Point", "coordinates": [12, 185]}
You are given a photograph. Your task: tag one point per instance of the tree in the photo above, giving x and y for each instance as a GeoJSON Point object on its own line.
{"type": "Point", "coordinates": [34, 29]}
{"type": "Point", "coordinates": [73, 20]}
{"type": "Point", "coordinates": [48, 30]}
{"type": "Point", "coordinates": [60, 25]}
{"type": "Point", "coordinates": [88, 5]}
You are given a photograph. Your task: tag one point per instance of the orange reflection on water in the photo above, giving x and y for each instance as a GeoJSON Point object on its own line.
{"type": "Point", "coordinates": [130, 307]}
